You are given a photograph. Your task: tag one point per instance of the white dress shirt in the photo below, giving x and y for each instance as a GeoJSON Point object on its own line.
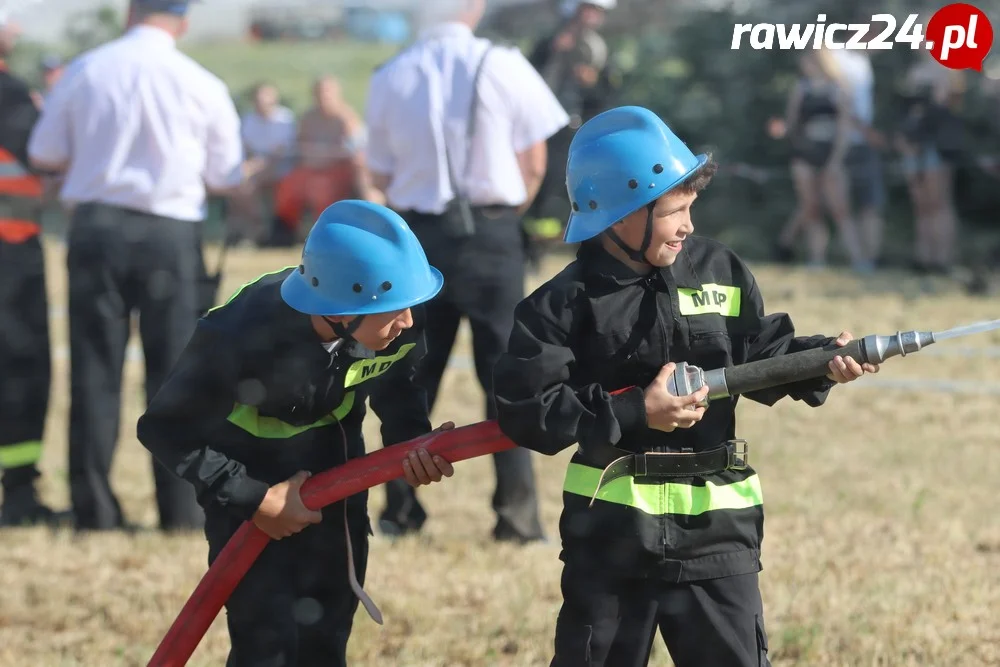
{"type": "Point", "coordinates": [138, 124]}
{"type": "Point", "coordinates": [419, 102]}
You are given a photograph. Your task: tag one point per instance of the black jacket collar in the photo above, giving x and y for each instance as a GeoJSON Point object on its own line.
{"type": "Point", "coordinates": [601, 269]}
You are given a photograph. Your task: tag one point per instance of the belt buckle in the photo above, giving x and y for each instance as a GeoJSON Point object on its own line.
{"type": "Point", "coordinates": [739, 455]}
{"type": "Point", "coordinates": [639, 461]}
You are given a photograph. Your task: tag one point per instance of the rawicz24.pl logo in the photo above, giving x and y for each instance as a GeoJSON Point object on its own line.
{"type": "Point", "coordinates": [958, 36]}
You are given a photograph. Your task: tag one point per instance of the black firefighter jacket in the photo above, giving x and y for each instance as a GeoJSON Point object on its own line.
{"type": "Point", "coordinates": [597, 327]}
{"type": "Point", "coordinates": [255, 397]}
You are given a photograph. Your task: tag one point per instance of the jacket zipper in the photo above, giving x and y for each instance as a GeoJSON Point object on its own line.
{"type": "Point", "coordinates": [667, 347]}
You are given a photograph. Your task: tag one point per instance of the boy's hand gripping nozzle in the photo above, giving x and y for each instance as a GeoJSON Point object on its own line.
{"type": "Point", "coordinates": [808, 364]}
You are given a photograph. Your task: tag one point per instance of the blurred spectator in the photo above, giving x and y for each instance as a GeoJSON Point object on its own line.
{"type": "Point", "coordinates": [864, 164]}
{"type": "Point", "coordinates": [986, 262]}
{"type": "Point", "coordinates": [574, 59]}
{"type": "Point", "coordinates": [52, 70]}
{"type": "Point", "coordinates": [269, 138]}
{"type": "Point", "coordinates": [25, 366]}
{"type": "Point", "coordinates": [331, 162]}
{"type": "Point", "coordinates": [931, 142]}
{"type": "Point", "coordinates": [141, 131]}
{"type": "Point", "coordinates": [458, 134]}
{"type": "Point", "coordinates": [818, 124]}
{"type": "Point", "coordinates": [574, 64]}
{"type": "Point", "coordinates": [52, 67]}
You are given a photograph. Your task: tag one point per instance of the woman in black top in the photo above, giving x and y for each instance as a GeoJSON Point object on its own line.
{"type": "Point", "coordinates": [929, 141]}
{"type": "Point", "coordinates": [818, 120]}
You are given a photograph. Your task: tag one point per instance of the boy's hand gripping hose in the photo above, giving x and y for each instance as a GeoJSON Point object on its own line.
{"type": "Point", "coordinates": [317, 492]}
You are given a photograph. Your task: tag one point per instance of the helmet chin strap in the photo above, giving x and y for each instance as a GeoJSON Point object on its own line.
{"type": "Point", "coordinates": [640, 254]}
{"type": "Point", "coordinates": [340, 330]}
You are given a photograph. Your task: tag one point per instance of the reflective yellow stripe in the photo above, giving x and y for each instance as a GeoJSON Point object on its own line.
{"type": "Point", "coordinates": [249, 419]}
{"type": "Point", "coordinates": [20, 454]}
{"type": "Point", "coordinates": [366, 369]}
{"type": "Point", "coordinates": [246, 285]}
{"type": "Point", "coordinates": [548, 228]}
{"type": "Point", "coordinates": [711, 298]}
{"type": "Point", "coordinates": [666, 497]}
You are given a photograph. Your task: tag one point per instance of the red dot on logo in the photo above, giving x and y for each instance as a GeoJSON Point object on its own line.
{"type": "Point", "coordinates": [961, 36]}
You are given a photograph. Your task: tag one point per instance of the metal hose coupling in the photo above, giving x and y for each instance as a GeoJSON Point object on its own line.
{"type": "Point", "coordinates": [878, 348]}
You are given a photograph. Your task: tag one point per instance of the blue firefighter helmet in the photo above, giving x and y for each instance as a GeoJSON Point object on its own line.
{"type": "Point", "coordinates": [360, 258]}
{"type": "Point", "coordinates": [620, 161]}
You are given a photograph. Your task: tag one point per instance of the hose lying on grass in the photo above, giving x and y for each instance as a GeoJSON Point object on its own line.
{"type": "Point", "coordinates": [317, 492]}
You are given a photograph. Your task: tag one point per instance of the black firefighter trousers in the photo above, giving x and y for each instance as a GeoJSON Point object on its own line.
{"type": "Point", "coordinates": [120, 260]}
{"type": "Point", "coordinates": [484, 281]}
{"type": "Point", "coordinates": [611, 622]}
{"type": "Point", "coordinates": [295, 606]}
{"type": "Point", "coordinates": [25, 362]}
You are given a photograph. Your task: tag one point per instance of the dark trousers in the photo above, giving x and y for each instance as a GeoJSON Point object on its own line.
{"type": "Point", "coordinates": [611, 622]}
{"type": "Point", "coordinates": [484, 281]}
{"type": "Point", "coordinates": [25, 362]}
{"type": "Point", "coordinates": [295, 606]}
{"type": "Point", "coordinates": [119, 261]}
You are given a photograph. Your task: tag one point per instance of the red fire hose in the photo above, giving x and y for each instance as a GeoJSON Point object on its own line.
{"type": "Point", "coordinates": [317, 492]}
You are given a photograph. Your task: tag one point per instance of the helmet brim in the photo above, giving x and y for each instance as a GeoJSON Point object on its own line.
{"type": "Point", "coordinates": [301, 297]}
{"type": "Point", "coordinates": [584, 232]}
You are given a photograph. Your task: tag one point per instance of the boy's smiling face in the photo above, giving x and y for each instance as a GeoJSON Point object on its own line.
{"type": "Point", "coordinates": [671, 223]}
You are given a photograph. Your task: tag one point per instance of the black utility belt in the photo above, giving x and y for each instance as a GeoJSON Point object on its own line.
{"type": "Point", "coordinates": [731, 455]}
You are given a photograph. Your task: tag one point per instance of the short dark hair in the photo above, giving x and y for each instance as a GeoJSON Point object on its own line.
{"type": "Point", "coordinates": [700, 179]}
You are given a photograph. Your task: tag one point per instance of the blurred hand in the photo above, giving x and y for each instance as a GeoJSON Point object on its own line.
{"type": "Point", "coordinates": [846, 369]}
{"type": "Point", "coordinates": [282, 512]}
{"type": "Point", "coordinates": [253, 166]}
{"type": "Point", "coordinates": [776, 128]}
{"type": "Point", "coordinates": [586, 75]}
{"type": "Point", "coordinates": [421, 468]}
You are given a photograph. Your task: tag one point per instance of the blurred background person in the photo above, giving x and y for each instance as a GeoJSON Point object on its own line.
{"type": "Point", "coordinates": [574, 63]}
{"type": "Point", "coordinates": [269, 136]}
{"type": "Point", "coordinates": [463, 182]}
{"type": "Point", "coordinates": [818, 122]}
{"type": "Point", "coordinates": [52, 68]}
{"type": "Point", "coordinates": [864, 160]}
{"type": "Point", "coordinates": [330, 163]}
{"type": "Point", "coordinates": [930, 141]}
{"type": "Point", "coordinates": [140, 129]}
{"type": "Point", "coordinates": [25, 354]}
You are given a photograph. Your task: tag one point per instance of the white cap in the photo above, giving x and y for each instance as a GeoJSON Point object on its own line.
{"type": "Point", "coordinates": [603, 4]}
{"type": "Point", "coordinates": [569, 7]}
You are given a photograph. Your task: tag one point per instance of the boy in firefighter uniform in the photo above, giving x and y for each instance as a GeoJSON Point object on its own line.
{"type": "Point", "coordinates": [272, 388]}
{"type": "Point", "coordinates": [670, 538]}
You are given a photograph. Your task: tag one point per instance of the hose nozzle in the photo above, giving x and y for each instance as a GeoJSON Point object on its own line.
{"type": "Point", "coordinates": [877, 349]}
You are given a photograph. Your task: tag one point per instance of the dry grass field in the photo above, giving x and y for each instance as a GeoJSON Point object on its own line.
{"type": "Point", "coordinates": [882, 542]}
